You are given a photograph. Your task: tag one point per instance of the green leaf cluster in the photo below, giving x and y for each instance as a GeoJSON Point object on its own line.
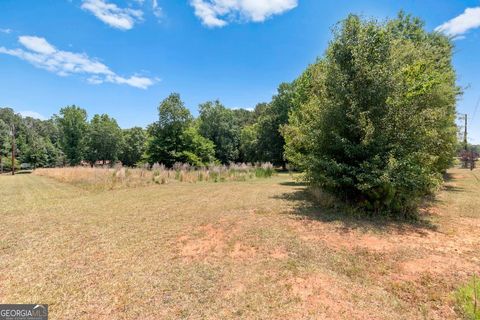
{"type": "Point", "coordinates": [175, 137]}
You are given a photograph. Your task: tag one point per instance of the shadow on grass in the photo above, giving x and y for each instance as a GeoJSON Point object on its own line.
{"type": "Point", "coordinates": [448, 177]}
{"type": "Point", "coordinates": [306, 207]}
{"type": "Point", "coordinates": [16, 172]}
{"type": "Point", "coordinates": [451, 188]}
{"type": "Point", "coordinates": [293, 184]}
{"type": "Point", "coordinates": [24, 172]}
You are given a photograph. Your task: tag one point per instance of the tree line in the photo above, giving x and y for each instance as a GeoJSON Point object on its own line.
{"type": "Point", "coordinates": [372, 121]}
{"type": "Point", "coordinates": [217, 135]}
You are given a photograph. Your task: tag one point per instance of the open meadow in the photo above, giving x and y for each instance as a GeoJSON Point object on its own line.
{"type": "Point", "coordinates": [254, 249]}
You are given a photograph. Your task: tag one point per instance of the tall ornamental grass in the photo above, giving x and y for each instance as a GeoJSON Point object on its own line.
{"type": "Point", "coordinates": [120, 177]}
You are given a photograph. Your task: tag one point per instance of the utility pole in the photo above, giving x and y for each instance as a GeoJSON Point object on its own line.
{"type": "Point", "coordinates": [1, 164]}
{"type": "Point", "coordinates": [13, 149]}
{"type": "Point", "coordinates": [464, 154]}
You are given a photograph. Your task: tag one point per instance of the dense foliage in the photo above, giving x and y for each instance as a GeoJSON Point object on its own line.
{"type": "Point", "coordinates": [36, 141]}
{"type": "Point", "coordinates": [72, 123]}
{"type": "Point", "coordinates": [173, 138]}
{"type": "Point", "coordinates": [104, 139]}
{"type": "Point", "coordinates": [374, 120]}
{"type": "Point", "coordinates": [133, 147]}
{"type": "Point", "coordinates": [270, 142]}
{"type": "Point", "coordinates": [219, 124]}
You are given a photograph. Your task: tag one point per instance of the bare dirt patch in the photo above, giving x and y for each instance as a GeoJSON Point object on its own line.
{"type": "Point", "coordinates": [434, 264]}
{"type": "Point", "coordinates": [279, 253]}
{"type": "Point", "coordinates": [210, 243]}
{"type": "Point", "coordinates": [242, 251]}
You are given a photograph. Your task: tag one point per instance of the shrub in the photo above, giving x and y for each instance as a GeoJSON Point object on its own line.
{"type": "Point", "coordinates": [7, 164]}
{"type": "Point", "coordinates": [374, 120]}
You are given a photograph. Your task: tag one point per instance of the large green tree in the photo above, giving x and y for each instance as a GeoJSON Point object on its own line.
{"type": "Point", "coordinates": [173, 138]}
{"type": "Point", "coordinates": [133, 147]}
{"type": "Point", "coordinates": [36, 141]}
{"type": "Point", "coordinates": [198, 150]}
{"type": "Point", "coordinates": [104, 139]}
{"type": "Point", "coordinates": [72, 123]}
{"type": "Point", "coordinates": [219, 125]}
{"type": "Point", "coordinates": [249, 144]}
{"type": "Point", "coordinates": [373, 121]}
{"type": "Point", "coordinates": [4, 138]}
{"type": "Point", "coordinates": [14, 124]}
{"type": "Point", "coordinates": [270, 142]}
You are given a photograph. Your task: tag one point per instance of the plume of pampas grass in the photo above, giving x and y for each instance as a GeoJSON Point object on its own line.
{"type": "Point", "coordinates": [119, 176]}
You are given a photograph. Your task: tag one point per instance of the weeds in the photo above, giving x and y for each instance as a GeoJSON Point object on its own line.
{"type": "Point", "coordinates": [120, 177]}
{"type": "Point", "coordinates": [468, 299]}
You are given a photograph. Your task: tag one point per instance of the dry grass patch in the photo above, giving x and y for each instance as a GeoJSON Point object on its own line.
{"type": "Point", "coordinates": [257, 249]}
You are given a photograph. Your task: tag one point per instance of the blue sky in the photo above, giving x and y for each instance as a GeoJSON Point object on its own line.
{"type": "Point", "coordinates": [123, 57]}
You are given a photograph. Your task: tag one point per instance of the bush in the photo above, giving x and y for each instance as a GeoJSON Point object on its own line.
{"type": "Point", "coordinates": [374, 120]}
{"type": "Point", "coordinates": [7, 164]}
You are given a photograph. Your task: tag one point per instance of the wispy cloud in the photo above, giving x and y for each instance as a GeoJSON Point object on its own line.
{"type": "Point", "coordinates": [456, 27]}
{"type": "Point", "coordinates": [7, 31]}
{"type": "Point", "coordinates": [32, 114]}
{"type": "Point", "coordinates": [40, 53]}
{"type": "Point", "coordinates": [111, 14]}
{"type": "Point", "coordinates": [218, 13]}
{"type": "Point", "coordinates": [157, 11]}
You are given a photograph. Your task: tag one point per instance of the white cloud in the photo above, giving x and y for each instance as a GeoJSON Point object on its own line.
{"type": "Point", "coordinates": [111, 14]}
{"type": "Point", "coordinates": [157, 11]}
{"type": "Point", "coordinates": [134, 81]}
{"type": "Point", "coordinates": [32, 114]}
{"type": "Point", "coordinates": [468, 20]}
{"type": "Point", "coordinates": [218, 13]}
{"type": "Point", "coordinates": [37, 44]}
{"type": "Point", "coordinates": [7, 31]}
{"type": "Point", "coordinates": [43, 55]}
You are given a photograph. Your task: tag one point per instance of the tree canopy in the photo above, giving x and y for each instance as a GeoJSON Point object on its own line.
{"type": "Point", "coordinates": [220, 125]}
{"type": "Point", "coordinates": [104, 139]}
{"type": "Point", "coordinates": [173, 137]}
{"type": "Point", "coordinates": [72, 123]}
{"type": "Point", "coordinates": [133, 146]}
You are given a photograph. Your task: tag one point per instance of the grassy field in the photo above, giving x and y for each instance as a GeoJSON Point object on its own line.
{"type": "Point", "coordinates": [257, 249]}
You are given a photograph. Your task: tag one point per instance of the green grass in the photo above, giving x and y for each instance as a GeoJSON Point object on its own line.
{"type": "Point", "coordinates": [468, 299]}
{"type": "Point", "coordinates": [254, 249]}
